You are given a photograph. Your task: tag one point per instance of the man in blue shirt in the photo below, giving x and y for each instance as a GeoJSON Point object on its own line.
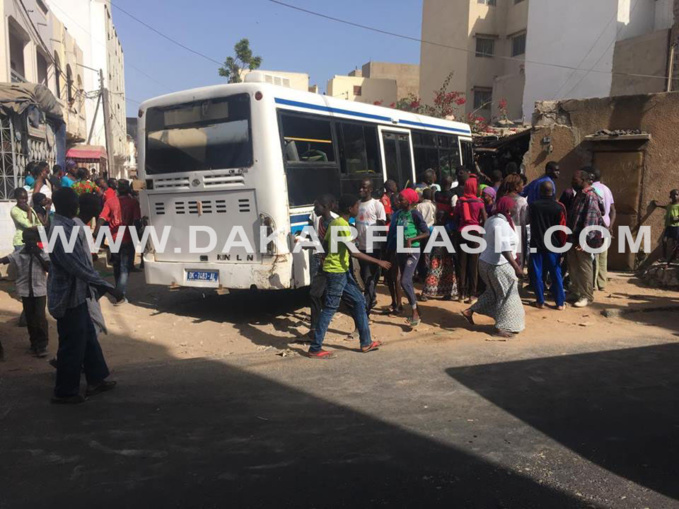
{"type": "Point", "coordinates": [532, 190]}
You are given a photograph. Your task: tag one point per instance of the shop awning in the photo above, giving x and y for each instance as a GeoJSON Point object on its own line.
{"type": "Point", "coordinates": [86, 152]}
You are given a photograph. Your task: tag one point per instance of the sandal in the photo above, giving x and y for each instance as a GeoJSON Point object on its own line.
{"type": "Point", "coordinates": [321, 354]}
{"type": "Point", "coordinates": [469, 316]}
{"type": "Point", "coordinates": [375, 345]}
{"type": "Point", "coordinates": [414, 323]}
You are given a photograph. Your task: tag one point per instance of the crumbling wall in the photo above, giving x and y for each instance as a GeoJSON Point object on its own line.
{"type": "Point", "coordinates": [567, 124]}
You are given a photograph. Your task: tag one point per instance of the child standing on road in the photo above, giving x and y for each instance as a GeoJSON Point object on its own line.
{"type": "Point", "coordinates": [323, 210]}
{"type": "Point", "coordinates": [340, 281]}
{"type": "Point", "coordinates": [32, 264]}
{"type": "Point", "coordinates": [414, 229]}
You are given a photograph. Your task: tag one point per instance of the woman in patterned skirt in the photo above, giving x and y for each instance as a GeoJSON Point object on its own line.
{"type": "Point", "coordinates": [500, 272]}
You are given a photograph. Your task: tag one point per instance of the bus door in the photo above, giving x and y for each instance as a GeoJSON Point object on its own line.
{"type": "Point", "coordinates": [397, 155]}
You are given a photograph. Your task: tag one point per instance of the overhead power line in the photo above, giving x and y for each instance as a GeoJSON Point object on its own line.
{"type": "Point", "coordinates": [466, 50]}
{"type": "Point", "coordinates": [164, 36]}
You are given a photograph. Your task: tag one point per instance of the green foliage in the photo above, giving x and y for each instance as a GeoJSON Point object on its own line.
{"type": "Point", "coordinates": [243, 59]}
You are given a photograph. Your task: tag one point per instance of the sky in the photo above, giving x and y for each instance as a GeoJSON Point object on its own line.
{"type": "Point", "coordinates": [286, 39]}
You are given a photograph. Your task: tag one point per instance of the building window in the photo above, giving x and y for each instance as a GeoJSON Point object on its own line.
{"type": "Point", "coordinates": [483, 98]}
{"type": "Point", "coordinates": [42, 6]}
{"type": "Point", "coordinates": [17, 44]}
{"type": "Point", "coordinates": [485, 47]}
{"type": "Point", "coordinates": [487, 2]}
{"type": "Point", "coordinates": [42, 68]}
{"type": "Point", "coordinates": [69, 83]}
{"type": "Point", "coordinates": [358, 90]}
{"type": "Point", "coordinates": [57, 76]}
{"type": "Point", "coordinates": [517, 1]}
{"type": "Point", "coordinates": [519, 45]}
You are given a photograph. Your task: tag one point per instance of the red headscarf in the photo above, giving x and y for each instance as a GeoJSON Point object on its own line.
{"type": "Point", "coordinates": [504, 207]}
{"type": "Point", "coordinates": [470, 195]}
{"type": "Point", "coordinates": [410, 195]}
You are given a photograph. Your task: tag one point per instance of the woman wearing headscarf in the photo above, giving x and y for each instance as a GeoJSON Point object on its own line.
{"type": "Point", "coordinates": [512, 187]}
{"type": "Point", "coordinates": [414, 229]}
{"type": "Point", "coordinates": [470, 215]}
{"type": "Point", "coordinates": [488, 196]}
{"type": "Point", "coordinates": [500, 272]}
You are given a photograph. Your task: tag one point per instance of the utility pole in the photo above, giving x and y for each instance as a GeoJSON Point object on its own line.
{"type": "Point", "coordinates": [107, 123]}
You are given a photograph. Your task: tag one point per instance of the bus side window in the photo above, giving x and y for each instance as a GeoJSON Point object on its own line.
{"type": "Point", "coordinates": [468, 154]}
{"type": "Point", "coordinates": [359, 153]}
{"type": "Point", "coordinates": [307, 139]}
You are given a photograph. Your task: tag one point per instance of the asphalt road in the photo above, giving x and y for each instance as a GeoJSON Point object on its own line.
{"type": "Point", "coordinates": [450, 425]}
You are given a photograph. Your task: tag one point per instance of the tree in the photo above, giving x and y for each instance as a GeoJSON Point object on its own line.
{"type": "Point", "coordinates": [233, 66]}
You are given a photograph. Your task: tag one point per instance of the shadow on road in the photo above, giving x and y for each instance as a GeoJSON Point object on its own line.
{"type": "Point", "coordinates": [618, 409]}
{"type": "Point", "coordinates": [204, 434]}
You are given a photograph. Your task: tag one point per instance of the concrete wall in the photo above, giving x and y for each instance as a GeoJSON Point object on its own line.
{"type": "Point", "coordinates": [578, 34]}
{"type": "Point", "coordinates": [569, 122]}
{"type": "Point", "coordinates": [510, 88]}
{"type": "Point", "coordinates": [646, 54]}
{"type": "Point", "coordinates": [407, 76]}
{"type": "Point", "coordinates": [444, 22]}
{"type": "Point", "coordinates": [372, 90]}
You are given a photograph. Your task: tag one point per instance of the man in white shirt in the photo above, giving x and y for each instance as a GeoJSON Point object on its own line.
{"type": "Point", "coordinates": [609, 214]}
{"type": "Point", "coordinates": [371, 213]}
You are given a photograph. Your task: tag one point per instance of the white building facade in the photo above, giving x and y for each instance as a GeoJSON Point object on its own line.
{"type": "Point", "coordinates": [91, 24]}
{"type": "Point", "coordinates": [524, 51]}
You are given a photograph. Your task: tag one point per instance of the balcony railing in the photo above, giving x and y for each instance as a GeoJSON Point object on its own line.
{"type": "Point", "coordinates": [17, 78]}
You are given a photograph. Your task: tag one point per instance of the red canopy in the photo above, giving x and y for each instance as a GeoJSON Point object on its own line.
{"type": "Point", "coordinates": [86, 152]}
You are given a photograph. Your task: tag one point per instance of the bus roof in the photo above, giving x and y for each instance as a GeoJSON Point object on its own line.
{"type": "Point", "coordinates": [297, 100]}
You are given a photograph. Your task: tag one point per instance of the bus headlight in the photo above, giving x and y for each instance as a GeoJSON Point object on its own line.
{"type": "Point", "coordinates": [266, 221]}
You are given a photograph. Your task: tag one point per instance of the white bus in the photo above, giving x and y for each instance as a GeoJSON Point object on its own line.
{"type": "Point", "coordinates": [254, 154]}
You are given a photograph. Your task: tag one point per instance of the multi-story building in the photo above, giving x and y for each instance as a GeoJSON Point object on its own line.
{"type": "Point", "coordinates": [40, 50]}
{"type": "Point", "coordinates": [91, 24]}
{"type": "Point", "coordinates": [524, 51]}
{"type": "Point", "coordinates": [382, 82]}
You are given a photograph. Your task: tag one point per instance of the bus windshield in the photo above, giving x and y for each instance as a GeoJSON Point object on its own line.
{"type": "Point", "coordinates": [197, 136]}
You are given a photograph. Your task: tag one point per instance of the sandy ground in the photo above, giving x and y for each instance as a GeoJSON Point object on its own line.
{"type": "Point", "coordinates": [183, 324]}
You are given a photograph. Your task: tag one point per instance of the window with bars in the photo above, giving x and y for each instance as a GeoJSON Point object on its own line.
{"type": "Point", "coordinates": [519, 45]}
{"type": "Point", "coordinates": [358, 90]}
{"type": "Point", "coordinates": [485, 47]}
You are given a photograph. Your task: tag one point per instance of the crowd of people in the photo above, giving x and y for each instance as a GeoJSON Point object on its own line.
{"type": "Point", "coordinates": [65, 282]}
{"type": "Point", "coordinates": [510, 214]}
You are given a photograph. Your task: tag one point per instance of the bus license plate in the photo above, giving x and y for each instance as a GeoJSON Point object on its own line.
{"type": "Point", "coordinates": [203, 276]}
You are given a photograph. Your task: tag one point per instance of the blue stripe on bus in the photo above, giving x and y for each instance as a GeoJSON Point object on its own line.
{"type": "Point", "coordinates": [432, 126]}
{"type": "Point", "coordinates": [295, 229]}
{"type": "Point", "coordinates": [300, 218]}
{"type": "Point", "coordinates": [365, 115]}
{"type": "Point", "coordinates": [331, 110]}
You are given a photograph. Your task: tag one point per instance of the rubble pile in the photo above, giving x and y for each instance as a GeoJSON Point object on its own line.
{"type": "Point", "coordinates": [661, 276]}
{"type": "Point", "coordinates": [618, 132]}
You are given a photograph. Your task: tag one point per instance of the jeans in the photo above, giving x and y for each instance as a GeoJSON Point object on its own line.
{"type": "Point", "coordinates": [545, 262]}
{"type": "Point", "coordinates": [316, 294]}
{"type": "Point", "coordinates": [407, 262]}
{"type": "Point", "coordinates": [78, 349]}
{"type": "Point", "coordinates": [370, 275]}
{"type": "Point", "coordinates": [123, 261]}
{"type": "Point", "coordinates": [337, 286]}
{"type": "Point", "coordinates": [36, 319]}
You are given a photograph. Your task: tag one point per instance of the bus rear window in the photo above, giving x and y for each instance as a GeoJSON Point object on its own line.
{"type": "Point", "coordinates": [198, 136]}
